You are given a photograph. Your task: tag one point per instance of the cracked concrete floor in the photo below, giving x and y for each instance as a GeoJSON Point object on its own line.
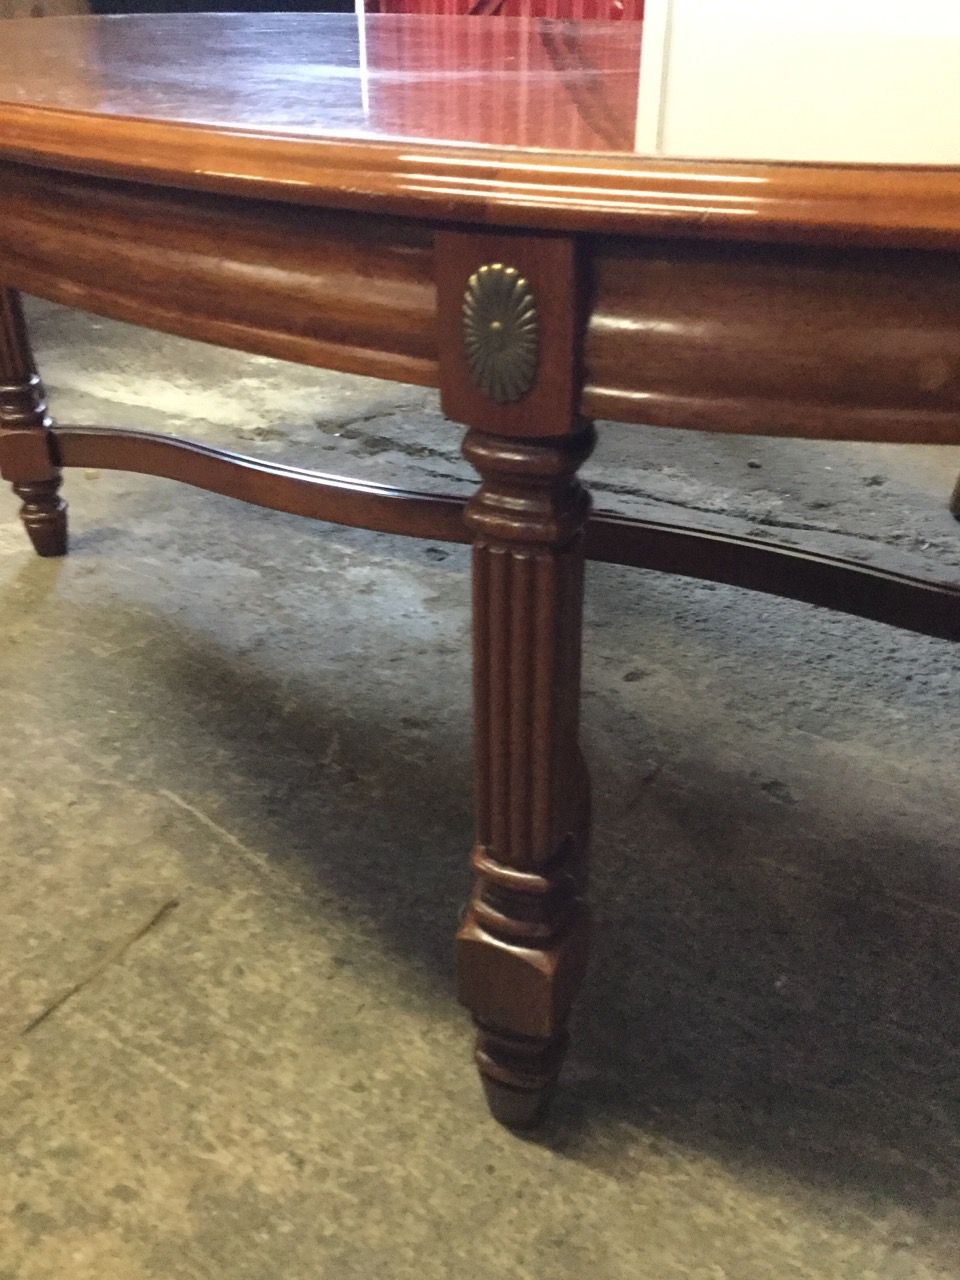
{"type": "Point", "coordinates": [234, 783]}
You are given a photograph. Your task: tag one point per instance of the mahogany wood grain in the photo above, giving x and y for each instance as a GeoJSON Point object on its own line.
{"type": "Point", "coordinates": [352, 292]}
{"type": "Point", "coordinates": [826, 343]}
{"type": "Point", "coordinates": [522, 947]}
{"type": "Point", "coordinates": [792, 573]}
{"type": "Point", "coordinates": [25, 455]}
{"type": "Point", "coordinates": [267, 484]}
{"type": "Point", "coordinates": [833, 343]}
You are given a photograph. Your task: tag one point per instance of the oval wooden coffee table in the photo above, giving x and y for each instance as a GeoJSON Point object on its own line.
{"type": "Point", "coordinates": [398, 197]}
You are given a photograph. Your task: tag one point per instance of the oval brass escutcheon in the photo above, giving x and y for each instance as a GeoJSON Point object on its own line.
{"type": "Point", "coordinates": [501, 332]}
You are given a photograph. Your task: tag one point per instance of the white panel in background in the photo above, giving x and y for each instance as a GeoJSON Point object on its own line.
{"type": "Point", "coordinates": [871, 81]}
{"type": "Point", "coordinates": [654, 52]}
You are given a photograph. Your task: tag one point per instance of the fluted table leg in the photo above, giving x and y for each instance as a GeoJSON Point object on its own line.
{"type": "Point", "coordinates": [510, 309]}
{"type": "Point", "coordinates": [25, 456]}
{"type": "Point", "coordinates": [522, 947]}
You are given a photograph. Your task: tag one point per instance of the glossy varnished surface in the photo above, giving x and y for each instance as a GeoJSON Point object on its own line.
{"type": "Point", "coordinates": [852, 344]}
{"type": "Point", "coordinates": [346, 292]}
{"type": "Point", "coordinates": [466, 119]}
{"type": "Point", "coordinates": [513, 82]}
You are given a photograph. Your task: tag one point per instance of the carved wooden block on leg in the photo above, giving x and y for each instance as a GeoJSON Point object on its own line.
{"type": "Point", "coordinates": [25, 453]}
{"type": "Point", "coordinates": [509, 334]}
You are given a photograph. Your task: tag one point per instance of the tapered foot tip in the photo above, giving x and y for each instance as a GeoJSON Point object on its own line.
{"type": "Point", "coordinates": [47, 530]}
{"type": "Point", "coordinates": [51, 549]}
{"type": "Point", "coordinates": [49, 543]}
{"type": "Point", "coordinates": [516, 1108]}
{"type": "Point", "coordinates": [519, 1075]}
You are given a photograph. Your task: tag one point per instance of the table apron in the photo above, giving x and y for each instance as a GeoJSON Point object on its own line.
{"type": "Point", "coordinates": [346, 291]}
{"type": "Point", "coordinates": [830, 343]}
{"type": "Point", "coordinates": [823, 342]}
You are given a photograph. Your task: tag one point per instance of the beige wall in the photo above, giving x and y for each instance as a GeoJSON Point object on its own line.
{"type": "Point", "coordinates": [835, 81]}
{"type": "Point", "coordinates": [40, 8]}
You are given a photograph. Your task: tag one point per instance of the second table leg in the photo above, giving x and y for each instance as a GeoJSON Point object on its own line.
{"type": "Point", "coordinates": [26, 458]}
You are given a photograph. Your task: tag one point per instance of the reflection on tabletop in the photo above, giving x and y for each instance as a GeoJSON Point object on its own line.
{"type": "Point", "coordinates": [849, 81]}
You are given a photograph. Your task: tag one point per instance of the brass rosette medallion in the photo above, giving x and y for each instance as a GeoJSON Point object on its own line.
{"type": "Point", "coordinates": [501, 332]}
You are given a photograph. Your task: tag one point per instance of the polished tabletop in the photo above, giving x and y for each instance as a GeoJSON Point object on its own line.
{"type": "Point", "coordinates": [504, 82]}
{"type": "Point", "coordinates": [529, 121]}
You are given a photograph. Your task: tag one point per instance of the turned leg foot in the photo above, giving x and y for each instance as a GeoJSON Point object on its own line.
{"type": "Point", "coordinates": [26, 456]}
{"type": "Point", "coordinates": [519, 1075]}
{"type": "Point", "coordinates": [44, 516]}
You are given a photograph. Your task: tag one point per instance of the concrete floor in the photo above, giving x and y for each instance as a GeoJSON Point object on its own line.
{"type": "Point", "coordinates": [265, 722]}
